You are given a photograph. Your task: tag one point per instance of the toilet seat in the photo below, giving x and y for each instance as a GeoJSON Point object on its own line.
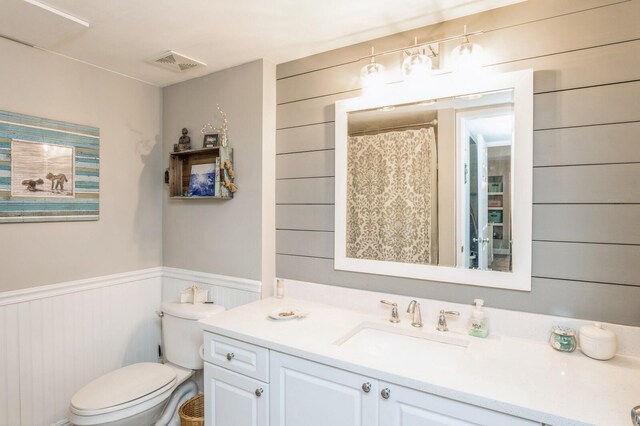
{"type": "Point", "coordinates": [143, 383]}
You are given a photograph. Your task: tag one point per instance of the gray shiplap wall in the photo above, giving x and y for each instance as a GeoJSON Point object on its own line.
{"type": "Point", "coordinates": [586, 252]}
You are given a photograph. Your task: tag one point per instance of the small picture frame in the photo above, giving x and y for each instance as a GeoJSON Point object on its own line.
{"type": "Point", "coordinates": [211, 140]}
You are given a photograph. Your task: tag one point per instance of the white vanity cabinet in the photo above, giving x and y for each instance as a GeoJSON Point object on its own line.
{"type": "Point", "coordinates": [232, 399]}
{"type": "Point", "coordinates": [236, 388]}
{"type": "Point", "coordinates": [305, 393]}
{"type": "Point", "coordinates": [401, 406]}
{"type": "Point", "coordinates": [240, 390]}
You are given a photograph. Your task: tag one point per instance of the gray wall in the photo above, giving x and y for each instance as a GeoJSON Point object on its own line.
{"type": "Point", "coordinates": [218, 236]}
{"type": "Point", "coordinates": [586, 253]}
{"type": "Point", "coordinates": [128, 235]}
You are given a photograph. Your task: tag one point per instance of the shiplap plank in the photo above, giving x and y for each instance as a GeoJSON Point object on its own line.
{"type": "Point", "coordinates": [597, 223]}
{"type": "Point", "coordinates": [312, 111]}
{"type": "Point", "coordinates": [586, 106]}
{"type": "Point", "coordinates": [601, 301]}
{"type": "Point", "coordinates": [306, 138]}
{"type": "Point", "coordinates": [514, 15]}
{"type": "Point", "coordinates": [305, 243]}
{"type": "Point", "coordinates": [305, 164]}
{"type": "Point", "coordinates": [302, 217]}
{"type": "Point", "coordinates": [611, 143]}
{"type": "Point", "coordinates": [593, 105]}
{"type": "Point", "coordinates": [609, 263]}
{"type": "Point", "coordinates": [305, 191]}
{"type": "Point", "coordinates": [559, 34]}
{"type": "Point", "coordinates": [610, 183]}
{"type": "Point", "coordinates": [555, 71]}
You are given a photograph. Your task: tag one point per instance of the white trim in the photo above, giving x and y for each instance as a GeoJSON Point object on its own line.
{"type": "Point", "coordinates": [34, 293]}
{"type": "Point", "coordinates": [42, 292]}
{"type": "Point", "coordinates": [445, 86]}
{"type": "Point", "coordinates": [245, 284]}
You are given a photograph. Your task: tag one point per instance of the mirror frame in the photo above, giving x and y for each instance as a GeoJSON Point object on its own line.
{"type": "Point", "coordinates": [439, 87]}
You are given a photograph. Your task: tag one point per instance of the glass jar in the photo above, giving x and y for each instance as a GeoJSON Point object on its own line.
{"type": "Point", "coordinates": [563, 339]}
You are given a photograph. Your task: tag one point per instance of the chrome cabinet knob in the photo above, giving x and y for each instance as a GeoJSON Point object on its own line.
{"type": "Point", "coordinates": [366, 387]}
{"type": "Point", "coordinates": [230, 356]}
{"type": "Point", "coordinates": [259, 392]}
{"type": "Point", "coordinates": [385, 393]}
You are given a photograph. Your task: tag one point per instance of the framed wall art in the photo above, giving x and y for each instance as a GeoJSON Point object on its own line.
{"type": "Point", "coordinates": [49, 170]}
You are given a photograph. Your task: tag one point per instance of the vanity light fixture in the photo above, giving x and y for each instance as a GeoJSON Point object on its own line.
{"type": "Point", "coordinates": [418, 61]}
{"type": "Point", "coordinates": [372, 76]}
{"type": "Point", "coordinates": [467, 56]}
{"type": "Point", "coordinates": [416, 66]}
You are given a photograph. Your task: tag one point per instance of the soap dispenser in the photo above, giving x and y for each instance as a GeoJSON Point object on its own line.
{"type": "Point", "coordinates": [478, 326]}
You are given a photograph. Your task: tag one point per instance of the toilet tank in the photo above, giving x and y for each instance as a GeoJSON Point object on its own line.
{"type": "Point", "coordinates": [181, 334]}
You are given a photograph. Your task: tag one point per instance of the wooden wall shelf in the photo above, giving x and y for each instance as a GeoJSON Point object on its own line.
{"type": "Point", "coordinates": [180, 164]}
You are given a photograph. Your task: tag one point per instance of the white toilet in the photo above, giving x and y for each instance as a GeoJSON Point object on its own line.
{"type": "Point", "coordinates": [137, 394]}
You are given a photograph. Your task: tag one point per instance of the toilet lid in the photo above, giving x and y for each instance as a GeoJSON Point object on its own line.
{"type": "Point", "coordinates": [123, 385]}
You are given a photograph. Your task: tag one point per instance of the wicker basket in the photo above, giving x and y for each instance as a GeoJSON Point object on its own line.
{"type": "Point", "coordinates": [192, 411]}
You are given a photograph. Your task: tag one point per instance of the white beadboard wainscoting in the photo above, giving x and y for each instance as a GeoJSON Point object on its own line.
{"type": "Point", "coordinates": [55, 339]}
{"type": "Point", "coordinates": [223, 290]}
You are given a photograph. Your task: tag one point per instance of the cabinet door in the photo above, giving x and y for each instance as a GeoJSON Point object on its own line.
{"type": "Point", "coordinates": [409, 407]}
{"type": "Point", "coordinates": [232, 399]}
{"type": "Point", "coordinates": [305, 393]}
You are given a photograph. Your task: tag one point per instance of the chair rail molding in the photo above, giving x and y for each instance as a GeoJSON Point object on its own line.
{"type": "Point", "coordinates": [67, 287]}
{"type": "Point", "coordinates": [236, 283]}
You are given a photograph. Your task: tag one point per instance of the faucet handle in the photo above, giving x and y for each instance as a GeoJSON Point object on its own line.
{"type": "Point", "coordinates": [442, 320]}
{"type": "Point", "coordinates": [394, 311]}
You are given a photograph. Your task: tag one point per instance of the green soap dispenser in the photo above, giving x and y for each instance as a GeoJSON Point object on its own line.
{"type": "Point", "coordinates": [478, 326]}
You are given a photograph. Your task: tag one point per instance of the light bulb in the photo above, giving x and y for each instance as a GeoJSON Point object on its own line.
{"type": "Point", "coordinates": [416, 67]}
{"type": "Point", "coordinates": [466, 57]}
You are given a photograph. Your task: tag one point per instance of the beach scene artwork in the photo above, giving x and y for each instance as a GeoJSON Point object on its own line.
{"type": "Point", "coordinates": [42, 170]}
{"type": "Point", "coordinates": [202, 182]}
{"type": "Point", "coordinates": [49, 170]}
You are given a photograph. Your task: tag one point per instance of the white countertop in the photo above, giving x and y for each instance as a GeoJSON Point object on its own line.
{"type": "Point", "coordinates": [524, 378]}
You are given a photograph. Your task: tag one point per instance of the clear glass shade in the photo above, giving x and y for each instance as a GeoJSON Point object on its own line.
{"type": "Point", "coordinates": [466, 57]}
{"type": "Point", "coordinates": [372, 76]}
{"type": "Point", "coordinates": [416, 67]}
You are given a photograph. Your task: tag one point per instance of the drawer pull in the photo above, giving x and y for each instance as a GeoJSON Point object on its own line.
{"type": "Point", "coordinates": [230, 356]}
{"type": "Point", "coordinates": [385, 393]}
{"type": "Point", "coordinates": [366, 387]}
{"type": "Point", "coordinates": [259, 392]}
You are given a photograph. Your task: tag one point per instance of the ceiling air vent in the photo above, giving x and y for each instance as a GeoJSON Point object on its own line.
{"type": "Point", "coordinates": [176, 62]}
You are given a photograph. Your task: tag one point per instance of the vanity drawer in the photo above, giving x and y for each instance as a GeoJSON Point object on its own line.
{"type": "Point", "coordinates": [234, 355]}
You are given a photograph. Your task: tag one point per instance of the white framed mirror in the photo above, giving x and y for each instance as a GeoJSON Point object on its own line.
{"type": "Point", "coordinates": [435, 183]}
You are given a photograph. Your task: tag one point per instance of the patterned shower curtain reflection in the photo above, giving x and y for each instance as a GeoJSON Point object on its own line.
{"type": "Point", "coordinates": [392, 197]}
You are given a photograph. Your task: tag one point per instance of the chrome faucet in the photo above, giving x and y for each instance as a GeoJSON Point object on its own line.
{"type": "Point", "coordinates": [442, 321]}
{"type": "Point", "coordinates": [394, 311]}
{"type": "Point", "coordinates": [414, 309]}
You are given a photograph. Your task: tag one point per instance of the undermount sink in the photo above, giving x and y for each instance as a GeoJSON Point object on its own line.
{"type": "Point", "coordinates": [386, 339]}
